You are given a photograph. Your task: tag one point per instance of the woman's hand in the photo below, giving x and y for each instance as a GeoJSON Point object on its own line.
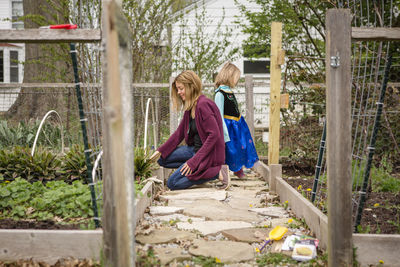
{"type": "Point", "coordinates": [186, 170]}
{"type": "Point", "coordinates": [155, 156]}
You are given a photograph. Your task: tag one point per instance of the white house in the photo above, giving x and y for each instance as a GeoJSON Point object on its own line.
{"type": "Point", "coordinates": [11, 55]}
{"type": "Point", "coordinates": [215, 11]}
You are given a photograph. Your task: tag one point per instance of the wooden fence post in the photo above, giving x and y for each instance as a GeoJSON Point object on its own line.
{"type": "Point", "coordinates": [249, 87]}
{"type": "Point", "coordinates": [118, 194]}
{"type": "Point", "coordinates": [338, 110]}
{"type": "Point", "coordinates": [275, 91]}
{"type": "Point", "coordinates": [173, 115]}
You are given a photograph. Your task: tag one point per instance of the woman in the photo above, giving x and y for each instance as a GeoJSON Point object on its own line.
{"type": "Point", "coordinates": [200, 160]}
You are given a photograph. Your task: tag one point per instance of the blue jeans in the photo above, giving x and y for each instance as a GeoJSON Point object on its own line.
{"type": "Point", "coordinates": [176, 160]}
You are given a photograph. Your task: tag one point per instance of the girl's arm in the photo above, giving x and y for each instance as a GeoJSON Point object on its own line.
{"type": "Point", "coordinates": [219, 101]}
{"type": "Point", "coordinates": [174, 140]}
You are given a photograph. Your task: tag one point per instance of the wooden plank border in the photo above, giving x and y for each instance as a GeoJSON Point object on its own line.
{"type": "Point", "coordinates": [52, 245]}
{"type": "Point", "coordinates": [50, 36]}
{"type": "Point", "coordinates": [375, 34]}
{"type": "Point", "coordinates": [370, 247]}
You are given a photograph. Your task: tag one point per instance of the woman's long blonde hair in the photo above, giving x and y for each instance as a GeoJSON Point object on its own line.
{"type": "Point", "coordinates": [193, 89]}
{"type": "Point", "coordinates": [228, 75]}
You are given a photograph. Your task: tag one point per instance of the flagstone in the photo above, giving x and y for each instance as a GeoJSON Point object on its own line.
{"type": "Point", "coordinates": [194, 194]}
{"type": "Point", "coordinates": [249, 235]}
{"type": "Point", "coordinates": [166, 255]}
{"type": "Point", "coordinates": [274, 212]}
{"type": "Point", "coordinates": [225, 251]}
{"type": "Point", "coordinates": [217, 211]}
{"type": "Point", "coordinates": [178, 217]}
{"type": "Point", "coordinates": [164, 235]}
{"type": "Point", "coordinates": [212, 227]}
{"type": "Point", "coordinates": [164, 210]}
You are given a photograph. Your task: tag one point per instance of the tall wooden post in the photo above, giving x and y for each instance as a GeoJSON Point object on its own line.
{"type": "Point", "coordinates": [249, 88]}
{"type": "Point", "coordinates": [275, 93]}
{"type": "Point", "coordinates": [338, 110]}
{"type": "Point", "coordinates": [118, 174]}
{"type": "Point", "coordinates": [173, 115]}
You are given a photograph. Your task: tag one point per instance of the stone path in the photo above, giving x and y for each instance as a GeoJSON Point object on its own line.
{"type": "Point", "coordinates": [227, 226]}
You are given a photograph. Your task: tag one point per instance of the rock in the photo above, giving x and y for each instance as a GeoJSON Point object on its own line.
{"type": "Point", "coordinates": [273, 212]}
{"type": "Point", "coordinates": [194, 194]}
{"type": "Point", "coordinates": [211, 227]}
{"type": "Point", "coordinates": [178, 217]}
{"type": "Point", "coordinates": [164, 235]}
{"type": "Point", "coordinates": [249, 235]}
{"type": "Point", "coordinates": [166, 255]}
{"type": "Point", "coordinates": [164, 210]}
{"type": "Point", "coordinates": [217, 211]}
{"type": "Point", "coordinates": [225, 251]}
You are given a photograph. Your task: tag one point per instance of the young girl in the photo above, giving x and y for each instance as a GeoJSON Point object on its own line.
{"type": "Point", "coordinates": [239, 145]}
{"type": "Point", "coordinates": [201, 127]}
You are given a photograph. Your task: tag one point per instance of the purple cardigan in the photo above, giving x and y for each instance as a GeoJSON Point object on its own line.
{"type": "Point", "coordinates": [206, 163]}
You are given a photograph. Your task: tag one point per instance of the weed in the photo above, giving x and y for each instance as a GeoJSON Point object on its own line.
{"type": "Point", "coordinates": [207, 261]}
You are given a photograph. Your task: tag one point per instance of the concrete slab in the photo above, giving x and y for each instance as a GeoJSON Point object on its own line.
{"type": "Point", "coordinates": [249, 235]}
{"type": "Point", "coordinates": [164, 210]}
{"type": "Point", "coordinates": [212, 227]}
{"type": "Point", "coordinates": [225, 251]}
{"type": "Point", "coordinates": [166, 255]}
{"type": "Point", "coordinates": [164, 235]}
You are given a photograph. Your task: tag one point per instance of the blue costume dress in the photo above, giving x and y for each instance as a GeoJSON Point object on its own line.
{"type": "Point", "coordinates": [239, 146]}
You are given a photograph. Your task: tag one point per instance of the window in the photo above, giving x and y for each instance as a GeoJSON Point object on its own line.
{"type": "Point", "coordinates": [14, 71]}
{"type": "Point", "coordinates": [1, 66]}
{"type": "Point", "coordinates": [256, 67]}
{"type": "Point", "coordinates": [17, 12]}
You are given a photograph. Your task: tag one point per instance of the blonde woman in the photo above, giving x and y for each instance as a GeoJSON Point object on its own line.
{"type": "Point", "coordinates": [239, 146]}
{"type": "Point", "coordinates": [201, 158]}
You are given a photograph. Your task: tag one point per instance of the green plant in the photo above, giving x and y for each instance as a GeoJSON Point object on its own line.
{"type": "Point", "coordinates": [274, 259]}
{"type": "Point", "coordinates": [42, 166]}
{"type": "Point", "coordinates": [74, 164]}
{"type": "Point", "coordinates": [147, 259]}
{"type": "Point", "coordinates": [21, 199]}
{"type": "Point", "coordinates": [382, 180]}
{"type": "Point", "coordinates": [207, 261]}
{"type": "Point", "coordinates": [143, 167]}
{"type": "Point", "coordinates": [363, 230]}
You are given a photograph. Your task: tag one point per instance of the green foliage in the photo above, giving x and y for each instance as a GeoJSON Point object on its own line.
{"type": "Point", "coordinates": [207, 261]}
{"type": "Point", "coordinates": [74, 164]}
{"type": "Point", "coordinates": [23, 134]}
{"type": "Point", "coordinates": [23, 200]}
{"type": "Point", "coordinates": [199, 51]}
{"type": "Point", "coordinates": [42, 166]}
{"type": "Point", "coordinates": [143, 167]}
{"type": "Point", "coordinates": [275, 259]}
{"type": "Point", "coordinates": [382, 180]}
{"type": "Point", "coordinates": [147, 259]}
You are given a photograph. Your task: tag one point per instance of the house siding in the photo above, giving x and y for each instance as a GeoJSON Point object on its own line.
{"type": "Point", "coordinates": [9, 95]}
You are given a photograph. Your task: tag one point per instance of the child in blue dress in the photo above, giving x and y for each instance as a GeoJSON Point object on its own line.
{"type": "Point", "coordinates": [239, 146]}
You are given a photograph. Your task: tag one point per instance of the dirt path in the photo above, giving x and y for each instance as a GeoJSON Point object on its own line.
{"type": "Point", "coordinates": [203, 225]}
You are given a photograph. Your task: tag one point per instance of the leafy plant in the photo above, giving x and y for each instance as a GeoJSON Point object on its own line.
{"type": "Point", "coordinates": [382, 180]}
{"type": "Point", "coordinates": [42, 166]}
{"type": "Point", "coordinates": [23, 200]}
{"type": "Point", "coordinates": [275, 259]}
{"type": "Point", "coordinates": [143, 167]}
{"type": "Point", "coordinates": [74, 164]}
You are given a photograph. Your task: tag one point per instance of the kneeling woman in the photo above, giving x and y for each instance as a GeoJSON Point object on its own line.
{"type": "Point", "coordinates": [201, 159]}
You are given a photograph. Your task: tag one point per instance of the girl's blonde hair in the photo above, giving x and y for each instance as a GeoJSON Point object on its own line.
{"type": "Point", "coordinates": [193, 89]}
{"type": "Point", "coordinates": [228, 75]}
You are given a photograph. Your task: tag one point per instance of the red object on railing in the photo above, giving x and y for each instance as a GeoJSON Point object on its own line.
{"type": "Point", "coordinates": [60, 26]}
